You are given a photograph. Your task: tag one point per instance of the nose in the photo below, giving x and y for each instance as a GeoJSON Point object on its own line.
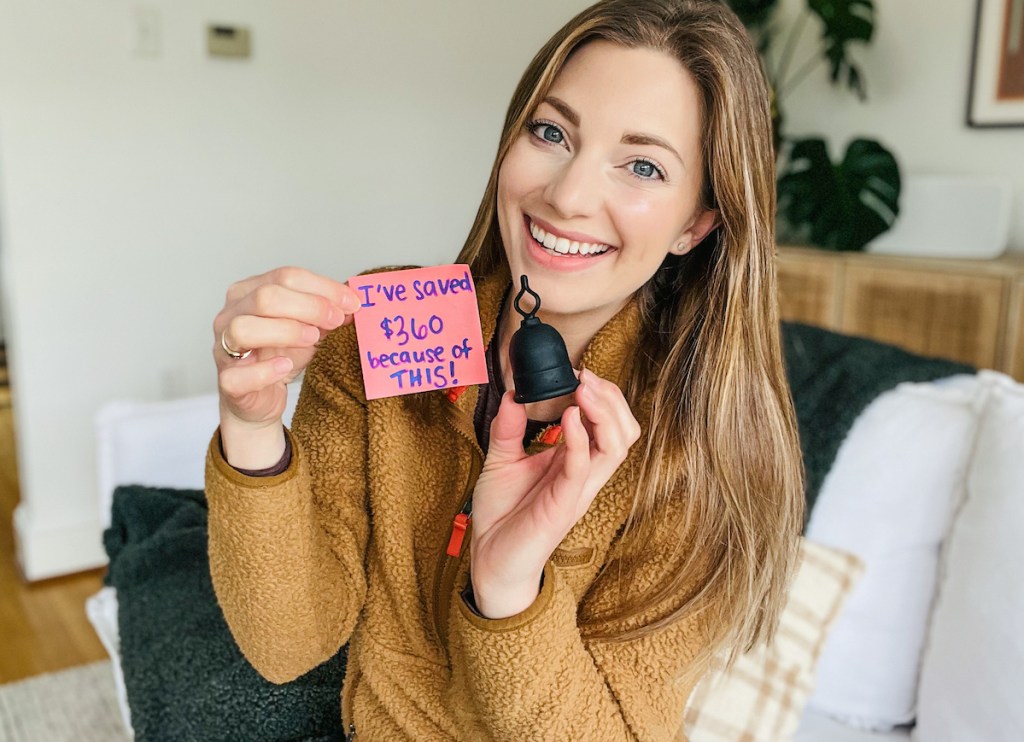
{"type": "Point", "coordinates": [575, 189]}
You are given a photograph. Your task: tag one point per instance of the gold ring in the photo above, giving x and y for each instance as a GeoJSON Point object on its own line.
{"type": "Point", "coordinates": [237, 355]}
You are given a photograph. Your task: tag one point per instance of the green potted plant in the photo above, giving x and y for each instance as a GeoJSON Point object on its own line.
{"type": "Point", "coordinates": [833, 205]}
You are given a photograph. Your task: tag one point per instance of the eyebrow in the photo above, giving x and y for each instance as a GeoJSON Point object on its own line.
{"type": "Point", "coordinates": [563, 108]}
{"type": "Point", "coordinates": [628, 138]}
{"type": "Point", "coordinates": [644, 139]}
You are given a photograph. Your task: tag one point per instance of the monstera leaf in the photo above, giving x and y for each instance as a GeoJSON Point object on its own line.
{"type": "Point", "coordinates": [753, 13]}
{"type": "Point", "coordinates": [835, 206]}
{"type": "Point", "coordinates": [845, 21]}
{"type": "Point", "coordinates": [843, 206]}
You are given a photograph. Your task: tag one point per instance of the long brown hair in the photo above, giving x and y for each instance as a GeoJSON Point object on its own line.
{"type": "Point", "coordinates": [722, 431]}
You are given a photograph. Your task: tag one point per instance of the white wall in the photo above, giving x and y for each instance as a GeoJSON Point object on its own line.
{"type": "Point", "coordinates": [917, 69]}
{"type": "Point", "coordinates": [133, 191]}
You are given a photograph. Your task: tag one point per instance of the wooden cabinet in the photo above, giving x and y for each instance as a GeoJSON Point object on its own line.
{"type": "Point", "coordinates": [1015, 334]}
{"type": "Point", "coordinates": [966, 310]}
{"type": "Point", "coordinates": [809, 288]}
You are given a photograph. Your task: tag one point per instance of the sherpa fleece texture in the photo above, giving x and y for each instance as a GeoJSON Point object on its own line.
{"type": "Point", "coordinates": [349, 544]}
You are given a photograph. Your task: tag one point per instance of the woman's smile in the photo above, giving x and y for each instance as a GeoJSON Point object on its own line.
{"type": "Point", "coordinates": [565, 251]}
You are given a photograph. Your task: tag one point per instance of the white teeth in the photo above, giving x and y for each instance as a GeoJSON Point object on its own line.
{"type": "Point", "coordinates": [564, 246]}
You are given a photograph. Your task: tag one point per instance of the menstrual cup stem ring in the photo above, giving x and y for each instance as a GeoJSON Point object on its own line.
{"type": "Point", "coordinates": [519, 297]}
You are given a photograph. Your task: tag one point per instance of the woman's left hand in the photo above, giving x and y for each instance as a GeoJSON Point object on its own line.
{"type": "Point", "coordinates": [523, 506]}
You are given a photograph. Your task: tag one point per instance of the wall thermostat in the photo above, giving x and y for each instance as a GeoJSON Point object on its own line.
{"type": "Point", "coordinates": [228, 41]}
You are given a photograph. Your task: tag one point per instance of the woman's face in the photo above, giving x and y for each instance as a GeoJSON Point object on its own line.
{"type": "Point", "coordinates": [604, 181]}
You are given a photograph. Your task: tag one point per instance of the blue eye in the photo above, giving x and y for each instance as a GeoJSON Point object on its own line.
{"type": "Point", "coordinates": [646, 170]}
{"type": "Point", "coordinates": [552, 134]}
{"type": "Point", "coordinates": [548, 132]}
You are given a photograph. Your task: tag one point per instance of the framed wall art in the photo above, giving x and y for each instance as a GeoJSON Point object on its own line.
{"type": "Point", "coordinates": [996, 96]}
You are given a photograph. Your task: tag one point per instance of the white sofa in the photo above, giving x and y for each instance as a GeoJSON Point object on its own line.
{"type": "Point", "coordinates": [927, 490]}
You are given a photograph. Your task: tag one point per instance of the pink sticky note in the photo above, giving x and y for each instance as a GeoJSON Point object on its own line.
{"type": "Point", "coordinates": [418, 330]}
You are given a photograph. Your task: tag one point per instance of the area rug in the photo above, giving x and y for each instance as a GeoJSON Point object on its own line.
{"type": "Point", "coordinates": [76, 705]}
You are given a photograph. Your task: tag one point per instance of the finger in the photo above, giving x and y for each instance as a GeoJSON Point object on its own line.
{"type": "Point", "coordinates": [302, 280]}
{"type": "Point", "coordinates": [614, 430]}
{"type": "Point", "coordinates": [247, 331]}
{"type": "Point", "coordinates": [507, 431]}
{"type": "Point", "coordinates": [612, 427]}
{"type": "Point", "coordinates": [570, 486]}
{"type": "Point", "coordinates": [576, 464]}
{"type": "Point", "coordinates": [337, 292]}
{"type": "Point", "coordinates": [236, 382]}
{"type": "Point", "coordinates": [575, 435]}
{"type": "Point", "coordinates": [611, 422]}
{"type": "Point", "coordinates": [274, 301]}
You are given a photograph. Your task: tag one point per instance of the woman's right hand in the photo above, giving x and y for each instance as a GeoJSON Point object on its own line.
{"type": "Point", "coordinates": [281, 315]}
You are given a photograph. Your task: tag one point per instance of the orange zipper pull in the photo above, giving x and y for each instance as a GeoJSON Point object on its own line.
{"type": "Point", "coordinates": [551, 434]}
{"type": "Point", "coordinates": [455, 392]}
{"type": "Point", "coordinates": [458, 534]}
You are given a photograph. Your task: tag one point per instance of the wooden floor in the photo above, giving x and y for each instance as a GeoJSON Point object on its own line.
{"type": "Point", "coordinates": [42, 625]}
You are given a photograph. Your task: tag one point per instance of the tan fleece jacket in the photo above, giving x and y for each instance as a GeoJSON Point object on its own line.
{"type": "Point", "coordinates": [348, 545]}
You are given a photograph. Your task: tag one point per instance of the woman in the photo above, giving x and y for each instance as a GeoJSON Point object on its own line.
{"type": "Point", "coordinates": [655, 527]}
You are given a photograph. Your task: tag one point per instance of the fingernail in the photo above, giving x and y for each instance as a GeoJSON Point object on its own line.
{"type": "Point", "coordinates": [349, 303]}
{"type": "Point", "coordinates": [282, 365]}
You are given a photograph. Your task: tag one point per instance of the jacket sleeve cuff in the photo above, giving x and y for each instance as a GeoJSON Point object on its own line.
{"type": "Point", "coordinates": [539, 607]}
{"type": "Point", "coordinates": [470, 599]}
{"type": "Point", "coordinates": [279, 468]}
{"type": "Point", "coordinates": [242, 479]}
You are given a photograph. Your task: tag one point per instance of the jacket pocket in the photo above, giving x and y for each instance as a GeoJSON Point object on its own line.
{"type": "Point", "coordinates": [578, 556]}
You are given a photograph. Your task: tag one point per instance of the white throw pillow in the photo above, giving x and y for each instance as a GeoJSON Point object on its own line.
{"type": "Point", "coordinates": [972, 678]}
{"type": "Point", "coordinates": [158, 444]}
{"type": "Point", "coordinates": [889, 499]}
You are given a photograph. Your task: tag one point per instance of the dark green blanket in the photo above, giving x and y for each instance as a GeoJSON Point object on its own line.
{"type": "Point", "coordinates": [185, 677]}
{"type": "Point", "coordinates": [833, 377]}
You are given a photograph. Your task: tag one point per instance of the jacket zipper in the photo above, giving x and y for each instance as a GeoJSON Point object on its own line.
{"type": "Point", "coordinates": [444, 576]}
{"type": "Point", "coordinates": [459, 526]}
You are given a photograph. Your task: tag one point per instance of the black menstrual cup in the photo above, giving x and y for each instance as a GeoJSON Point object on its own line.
{"type": "Point", "coordinates": [540, 362]}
